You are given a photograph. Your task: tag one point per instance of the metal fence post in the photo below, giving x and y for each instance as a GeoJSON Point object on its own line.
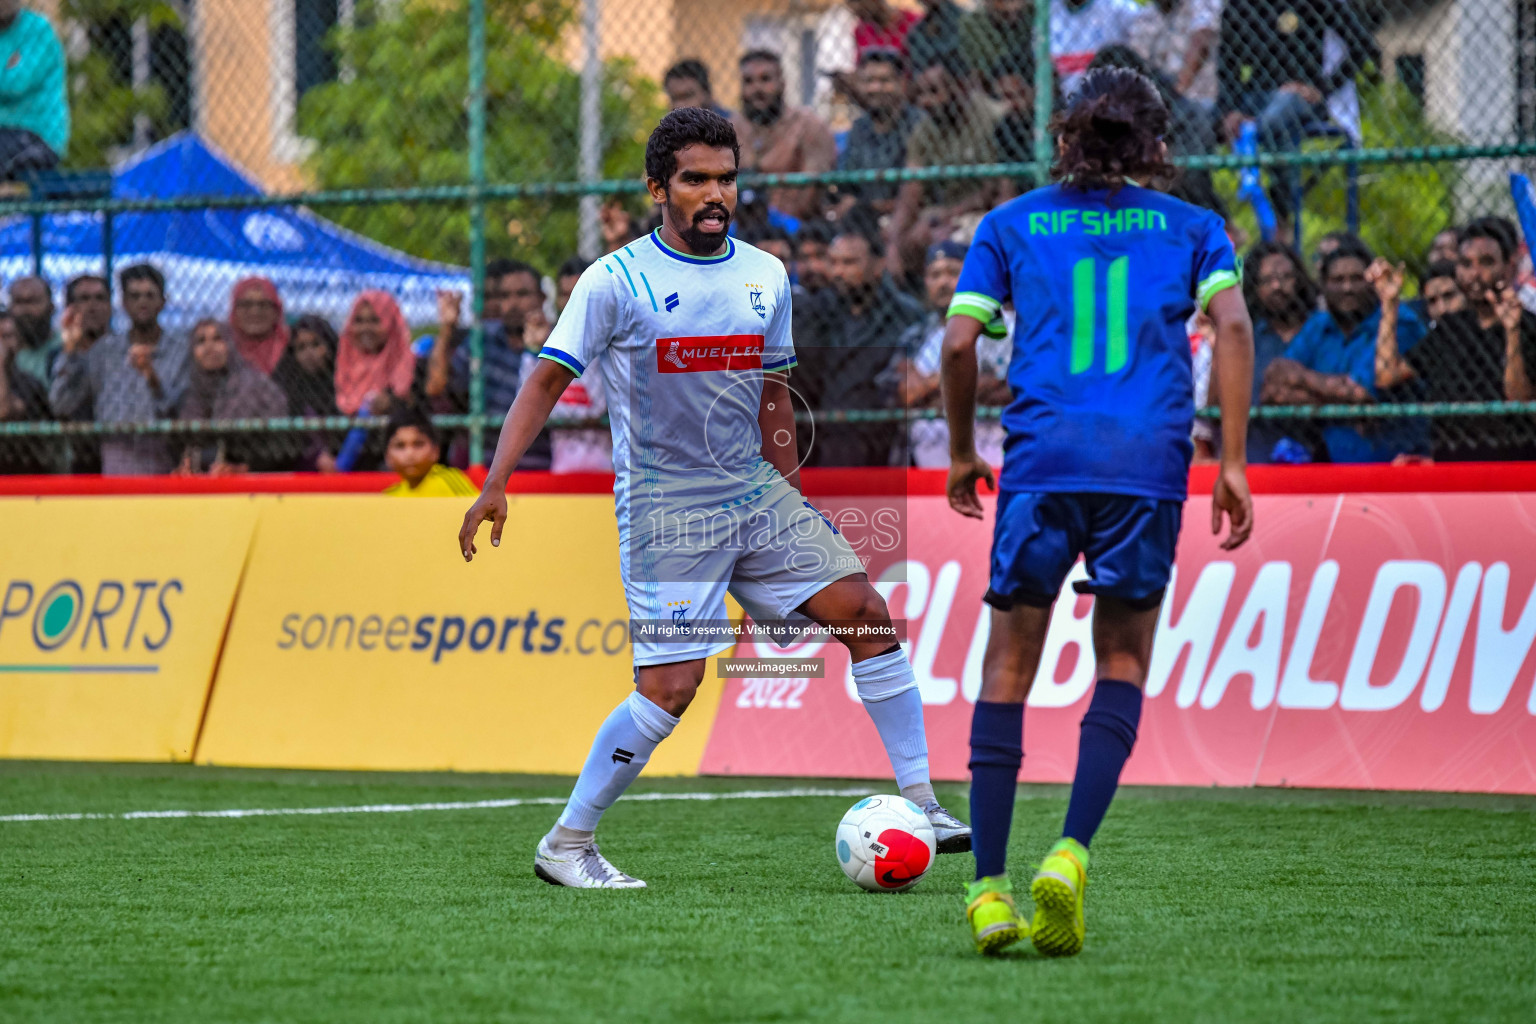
{"type": "Point", "coordinates": [590, 149]}
{"type": "Point", "coordinates": [1045, 93]}
{"type": "Point", "coordinates": [477, 217]}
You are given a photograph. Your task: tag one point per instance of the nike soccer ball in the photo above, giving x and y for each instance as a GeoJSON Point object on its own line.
{"type": "Point", "coordinates": [885, 844]}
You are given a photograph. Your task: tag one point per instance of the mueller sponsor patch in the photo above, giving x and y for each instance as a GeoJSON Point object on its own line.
{"type": "Point", "coordinates": [709, 352]}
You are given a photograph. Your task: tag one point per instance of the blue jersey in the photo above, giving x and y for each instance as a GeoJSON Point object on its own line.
{"type": "Point", "coordinates": [1103, 394]}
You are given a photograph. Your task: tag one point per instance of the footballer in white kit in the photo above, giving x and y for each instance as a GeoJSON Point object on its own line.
{"type": "Point", "coordinates": [689, 330]}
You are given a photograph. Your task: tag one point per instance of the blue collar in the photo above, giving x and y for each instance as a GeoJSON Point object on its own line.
{"type": "Point", "coordinates": [730, 250]}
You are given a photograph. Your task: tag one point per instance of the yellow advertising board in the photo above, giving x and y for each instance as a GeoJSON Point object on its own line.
{"type": "Point", "coordinates": [362, 639]}
{"type": "Point", "coordinates": [111, 614]}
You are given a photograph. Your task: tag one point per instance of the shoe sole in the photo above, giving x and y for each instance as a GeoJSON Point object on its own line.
{"type": "Point", "coordinates": [538, 870]}
{"type": "Point", "coordinates": [1054, 929]}
{"type": "Point", "coordinates": [997, 937]}
{"type": "Point", "coordinates": [956, 844]}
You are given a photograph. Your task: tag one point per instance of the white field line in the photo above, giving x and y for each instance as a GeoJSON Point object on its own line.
{"type": "Point", "coordinates": [456, 805]}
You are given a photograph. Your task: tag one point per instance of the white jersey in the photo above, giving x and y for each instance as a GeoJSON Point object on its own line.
{"type": "Point", "coordinates": [684, 342]}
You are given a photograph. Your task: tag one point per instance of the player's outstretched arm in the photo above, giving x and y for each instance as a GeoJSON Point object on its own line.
{"type": "Point", "coordinates": [1234, 393]}
{"type": "Point", "coordinates": [529, 412]}
{"type": "Point", "coordinates": [958, 379]}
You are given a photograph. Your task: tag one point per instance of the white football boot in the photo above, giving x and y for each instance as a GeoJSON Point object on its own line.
{"type": "Point", "coordinates": [587, 868]}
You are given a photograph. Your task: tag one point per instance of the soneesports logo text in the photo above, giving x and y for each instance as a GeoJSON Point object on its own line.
{"type": "Point", "coordinates": [512, 635]}
{"type": "Point", "coordinates": [709, 352]}
{"type": "Point", "coordinates": [85, 615]}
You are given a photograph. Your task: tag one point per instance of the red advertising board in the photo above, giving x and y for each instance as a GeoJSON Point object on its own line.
{"type": "Point", "coordinates": [1376, 640]}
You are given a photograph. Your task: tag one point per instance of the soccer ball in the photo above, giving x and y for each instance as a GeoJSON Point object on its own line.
{"type": "Point", "coordinates": [885, 844]}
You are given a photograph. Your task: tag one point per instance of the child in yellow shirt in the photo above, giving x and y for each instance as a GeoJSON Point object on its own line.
{"type": "Point", "coordinates": [412, 452]}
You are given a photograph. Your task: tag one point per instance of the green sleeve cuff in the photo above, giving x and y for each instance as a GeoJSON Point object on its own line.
{"type": "Point", "coordinates": [1215, 284]}
{"type": "Point", "coordinates": [974, 304]}
{"type": "Point", "coordinates": [562, 360]}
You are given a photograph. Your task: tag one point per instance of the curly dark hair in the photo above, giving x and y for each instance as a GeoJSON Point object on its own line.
{"type": "Point", "coordinates": [1112, 130]}
{"type": "Point", "coordinates": [1500, 231]}
{"type": "Point", "coordinates": [684, 127]}
{"type": "Point", "coordinates": [1439, 268]}
{"type": "Point", "coordinates": [1306, 288]}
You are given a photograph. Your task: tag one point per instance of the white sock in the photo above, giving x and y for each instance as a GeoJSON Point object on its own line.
{"type": "Point", "coordinates": [890, 695]}
{"type": "Point", "coordinates": [621, 749]}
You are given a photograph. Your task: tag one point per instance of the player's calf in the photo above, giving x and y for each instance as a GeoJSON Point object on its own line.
{"type": "Point", "coordinates": [888, 689]}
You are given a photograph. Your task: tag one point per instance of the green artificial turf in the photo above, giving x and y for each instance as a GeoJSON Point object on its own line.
{"type": "Point", "coordinates": [1205, 905]}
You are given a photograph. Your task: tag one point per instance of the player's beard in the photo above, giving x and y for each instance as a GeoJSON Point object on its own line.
{"type": "Point", "coordinates": [1286, 309]}
{"type": "Point", "coordinates": [704, 243]}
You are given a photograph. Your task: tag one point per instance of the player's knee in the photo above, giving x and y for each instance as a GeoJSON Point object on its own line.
{"type": "Point", "coordinates": [672, 694]}
{"type": "Point", "coordinates": [870, 607]}
{"type": "Point", "coordinates": [874, 633]}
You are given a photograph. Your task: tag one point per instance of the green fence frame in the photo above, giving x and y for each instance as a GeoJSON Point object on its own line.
{"type": "Point", "coordinates": [478, 191]}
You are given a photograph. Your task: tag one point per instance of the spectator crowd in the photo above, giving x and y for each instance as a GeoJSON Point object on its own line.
{"type": "Point", "coordinates": [873, 267]}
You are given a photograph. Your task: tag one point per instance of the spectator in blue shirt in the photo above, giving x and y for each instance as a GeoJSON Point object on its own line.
{"type": "Point", "coordinates": [1332, 360]}
{"type": "Point", "coordinates": [510, 341]}
{"type": "Point", "coordinates": [34, 103]}
{"type": "Point", "coordinates": [1281, 295]}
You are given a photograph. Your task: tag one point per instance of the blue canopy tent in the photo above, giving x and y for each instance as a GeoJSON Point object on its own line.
{"type": "Point", "coordinates": [317, 266]}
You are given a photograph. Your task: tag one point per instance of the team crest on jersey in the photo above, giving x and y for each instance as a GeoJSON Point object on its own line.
{"type": "Point", "coordinates": [755, 297]}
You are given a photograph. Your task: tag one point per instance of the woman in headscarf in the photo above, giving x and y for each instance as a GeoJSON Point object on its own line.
{"type": "Point", "coordinates": [256, 323]}
{"type": "Point", "coordinates": [307, 371]}
{"type": "Point", "coordinates": [223, 386]}
{"type": "Point", "coordinates": [307, 376]}
{"type": "Point", "coordinates": [374, 362]}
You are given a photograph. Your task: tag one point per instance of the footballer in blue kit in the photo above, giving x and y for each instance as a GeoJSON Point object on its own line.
{"type": "Point", "coordinates": [1104, 275]}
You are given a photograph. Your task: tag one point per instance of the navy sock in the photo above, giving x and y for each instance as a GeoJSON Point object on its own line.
{"type": "Point", "coordinates": [1107, 736]}
{"type": "Point", "coordinates": [997, 748]}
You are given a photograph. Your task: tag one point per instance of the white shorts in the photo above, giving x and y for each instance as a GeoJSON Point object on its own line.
{"type": "Point", "coordinates": [771, 554]}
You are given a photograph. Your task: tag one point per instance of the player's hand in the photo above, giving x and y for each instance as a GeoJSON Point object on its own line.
{"type": "Point", "coordinates": [492, 505]}
{"type": "Point", "coordinates": [964, 474]}
{"type": "Point", "coordinates": [1231, 499]}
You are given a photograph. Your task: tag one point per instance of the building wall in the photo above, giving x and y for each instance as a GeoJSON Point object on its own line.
{"type": "Point", "coordinates": [658, 33]}
{"type": "Point", "coordinates": [1469, 85]}
{"type": "Point", "coordinates": [236, 88]}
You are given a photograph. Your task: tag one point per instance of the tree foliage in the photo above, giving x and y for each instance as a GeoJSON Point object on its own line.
{"type": "Point", "coordinates": [1402, 205]}
{"type": "Point", "coordinates": [103, 105]}
{"type": "Point", "coordinates": [398, 117]}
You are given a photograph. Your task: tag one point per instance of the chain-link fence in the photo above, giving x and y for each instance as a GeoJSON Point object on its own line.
{"type": "Point", "coordinates": [306, 176]}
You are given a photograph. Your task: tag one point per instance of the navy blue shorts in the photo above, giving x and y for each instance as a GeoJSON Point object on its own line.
{"type": "Point", "coordinates": [1127, 542]}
